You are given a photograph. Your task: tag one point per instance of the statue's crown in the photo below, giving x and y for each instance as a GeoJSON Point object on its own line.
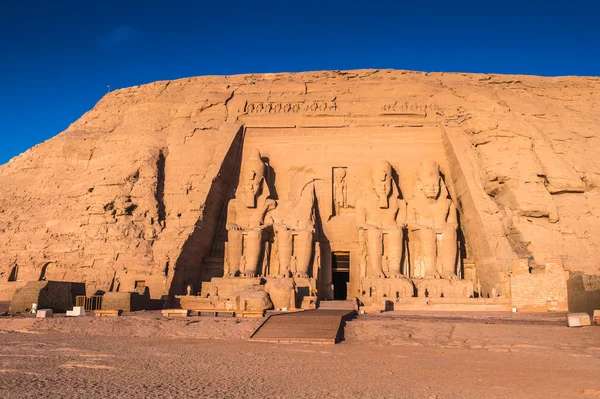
{"type": "Point", "coordinates": [254, 163]}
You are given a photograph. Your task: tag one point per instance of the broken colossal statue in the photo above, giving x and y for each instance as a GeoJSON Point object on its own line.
{"type": "Point", "coordinates": [432, 224]}
{"type": "Point", "coordinates": [246, 217]}
{"type": "Point", "coordinates": [380, 218]}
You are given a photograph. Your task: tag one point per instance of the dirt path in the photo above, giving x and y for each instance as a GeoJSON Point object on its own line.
{"type": "Point", "coordinates": [391, 356]}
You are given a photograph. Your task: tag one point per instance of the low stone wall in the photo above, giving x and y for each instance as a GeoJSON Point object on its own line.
{"type": "Point", "coordinates": [129, 301]}
{"type": "Point", "coordinates": [8, 288]}
{"type": "Point", "coordinates": [539, 289]}
{"type": "Point", "coordinates": [584, 292]}
{"type": "Point", "coordinates": [56, 295]}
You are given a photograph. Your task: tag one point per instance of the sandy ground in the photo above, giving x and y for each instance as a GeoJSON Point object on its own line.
{"type": "Point", "coordinates": [394, 355]}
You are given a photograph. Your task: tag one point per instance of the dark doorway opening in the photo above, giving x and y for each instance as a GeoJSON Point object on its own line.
{"type": "Point", "coordinates": [340, 273]}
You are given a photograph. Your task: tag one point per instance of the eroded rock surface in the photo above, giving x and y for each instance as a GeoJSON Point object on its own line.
{"type": "Point", "coordinates": [136, 188]}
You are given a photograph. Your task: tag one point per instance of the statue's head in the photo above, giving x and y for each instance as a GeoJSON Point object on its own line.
{"type": "Point", "coordinates": [381, 180]}
{"type": "Point", "coordinates": [339, 174]}
{"type": "Point", "coordinates": [429, 179]}
{"type": "Point", "coordinates": [252, 178]}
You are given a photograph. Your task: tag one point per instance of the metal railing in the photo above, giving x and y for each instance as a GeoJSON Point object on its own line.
{"type": "Point", "coordinates": [89, 303]}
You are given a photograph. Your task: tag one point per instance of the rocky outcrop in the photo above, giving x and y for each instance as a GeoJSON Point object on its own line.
{"type": "Point", "coordinates": [135, 189]}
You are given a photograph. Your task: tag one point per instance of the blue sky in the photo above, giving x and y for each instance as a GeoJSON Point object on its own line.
{"type": "Point", "coordinates": [57, 57]}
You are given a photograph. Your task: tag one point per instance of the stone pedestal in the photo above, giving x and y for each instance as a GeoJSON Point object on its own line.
{"type": "Point", "coordinates": [44, 313]}
{"type": "Point", "coordinates": [230, 293]}
{"type": "Point", "coordinates": [77, 311]}
{"type": "Point", "coordinates": [304, 287]}
{"type": "Point", "coordinates": [226, 286]}
{"type": "Point", "coordinates": [375, 290]}
{"type": "Point", "coordinates": [443, 288]}
{"type": "Point", "coordinates": [573, 319]}
{"type": "Point", "coordinates": [194, 302]}
{"type": "Point", "coordinates": [309, 303]}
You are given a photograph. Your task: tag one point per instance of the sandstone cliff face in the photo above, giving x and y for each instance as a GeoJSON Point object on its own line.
{"type": "Point", "coordinates": [134, 190]}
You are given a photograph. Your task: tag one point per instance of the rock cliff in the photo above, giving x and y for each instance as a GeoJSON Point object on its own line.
{"type": "Point", "coordinates": [135, 189]}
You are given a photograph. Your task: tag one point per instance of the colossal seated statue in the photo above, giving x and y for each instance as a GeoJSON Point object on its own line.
{"type": "Point", "coordinates": [432, 224]}
{"type": "Point", "coordinates": [246, 216]}
{"type": "Point", "coordinates": [294, 225]}
{"type": "Point", "coordinates": [381, 216]}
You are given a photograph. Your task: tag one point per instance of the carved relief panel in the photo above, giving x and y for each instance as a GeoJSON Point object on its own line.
{"type": "Point", "coordinates": [339, 190]}
{"type": "Point", "coordinates": [291, 107]}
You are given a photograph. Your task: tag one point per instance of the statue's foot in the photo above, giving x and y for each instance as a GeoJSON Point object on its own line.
{"type": "Point", "coordinates": [233, 274]}
{"type": "Point", "coordinates": [302, 275]}
{"type": "Point", "coordinates": [249, 274]}
{"type": "Point", "coordinates": [394, 274]}
{"type": "Point", "coordinates": [285, 273]}
{"type": "Point", "coordinates": [433, 275]}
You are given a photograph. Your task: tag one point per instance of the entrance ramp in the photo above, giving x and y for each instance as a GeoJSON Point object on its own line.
{"type": "Point", "coordinates": [321, 326]}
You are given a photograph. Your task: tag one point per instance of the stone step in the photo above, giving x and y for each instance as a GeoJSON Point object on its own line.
{"type": "Point", "coordinates": [338, 305]}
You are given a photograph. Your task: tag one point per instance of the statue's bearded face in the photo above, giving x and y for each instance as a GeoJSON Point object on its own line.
{"type": "Point", "coordinates": [381, 178]}
{"type": "Point", "coordinates": [429, 178]}
{"type": "Point", "coordinates": [430, 185]}
{"type": "Point", "coordinates": [252, 186]}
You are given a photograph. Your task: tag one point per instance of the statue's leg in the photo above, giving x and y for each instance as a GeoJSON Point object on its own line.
{"type": "Point", "coordinates": [449, 248]}
{"type": "Point", "coordinates": [375, 249]}
{"type": "Point", "coordinates": [413, 253]}
{"type": "Point", "coordinates": [234, 251]}
{"type": "Point", "coordinates": [303, 250]}
{"type": "Point", "coordinates": [428, 251]}
{"type": "Point", "coordinates": [253, 247]}
{"type": "Point", "coordinates": [362, 244]}
{"type": "Point", "coordinates": [284, 246]}
{"type": "Point", "coordinates": [395, 252]}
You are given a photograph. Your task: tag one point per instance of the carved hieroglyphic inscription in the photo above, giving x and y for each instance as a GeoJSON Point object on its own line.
{"type": "Point", "coordinates": [290, 107]}
{"type": "Point", "coordinates": [408, 108]}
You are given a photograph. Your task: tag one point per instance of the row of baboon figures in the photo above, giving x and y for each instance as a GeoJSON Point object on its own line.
{"type": "Point", "coordinates": [382, 218]}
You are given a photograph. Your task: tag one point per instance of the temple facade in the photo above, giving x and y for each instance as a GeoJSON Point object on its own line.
{"type": "Point", "coordinates": [391, 188]}
{"type": "Point", "coordinates": [366, 211]}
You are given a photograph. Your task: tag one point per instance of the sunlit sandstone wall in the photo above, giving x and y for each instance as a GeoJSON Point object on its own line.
{"type": "Point", "coordinates": [125, 192]}
{"type": "Point", "coordinates": [304, 154]}
{"type": "Point", "coordinates": [539, 290]}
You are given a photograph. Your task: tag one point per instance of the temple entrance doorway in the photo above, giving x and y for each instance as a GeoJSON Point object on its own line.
{"type": "Point", "coordinates": [340, 273]}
